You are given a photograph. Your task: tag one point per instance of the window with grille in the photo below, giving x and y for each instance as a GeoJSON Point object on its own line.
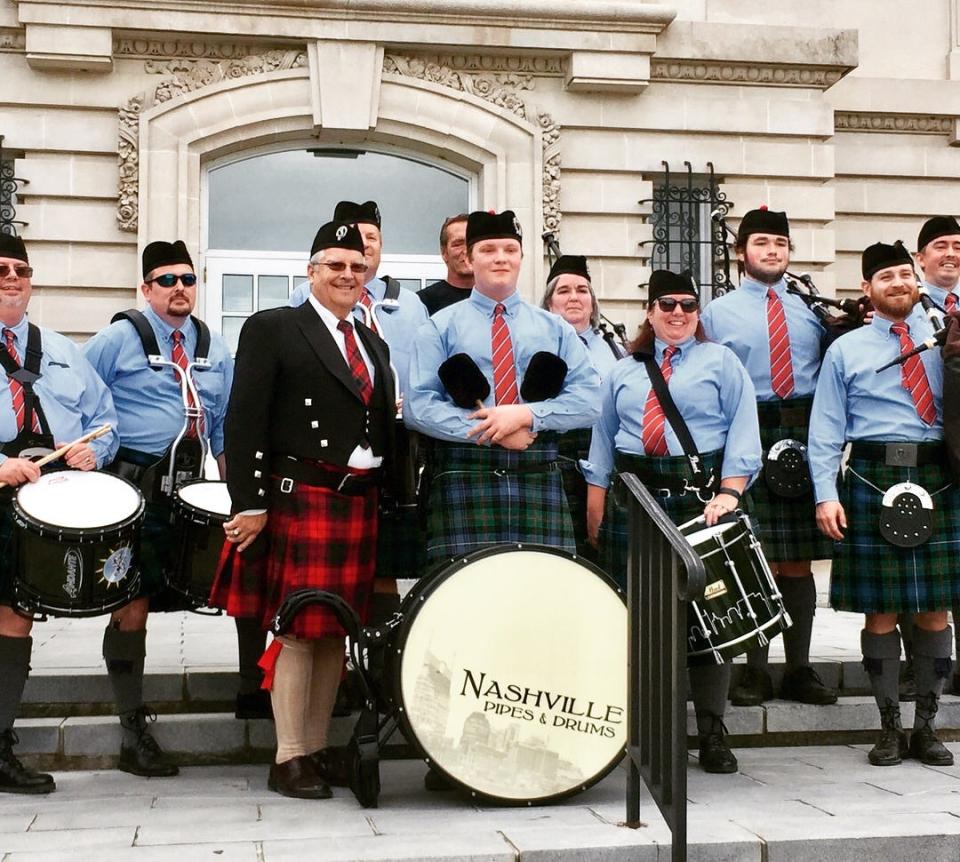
{"type": "Point", "coordinates": [9, 184]}
{"type": "Point", "coordinates": [686, 236]}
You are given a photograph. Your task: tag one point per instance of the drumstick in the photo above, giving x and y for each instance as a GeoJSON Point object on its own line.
{"type": "Point", "coordinates": [59, 453]}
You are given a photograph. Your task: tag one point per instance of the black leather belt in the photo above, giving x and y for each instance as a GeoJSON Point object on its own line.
{"type": "Point", "coordinates": [288, 473]}
{"type": "Point", "coordinates": [899, 454]}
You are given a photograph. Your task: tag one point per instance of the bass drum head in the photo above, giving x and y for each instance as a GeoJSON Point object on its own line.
{"type": "Point", "coordinates": [206, 496]}
{"type": "Point", "coordinates": [75, 500]}
{"type": "Point", "coordinates": [511, 673]}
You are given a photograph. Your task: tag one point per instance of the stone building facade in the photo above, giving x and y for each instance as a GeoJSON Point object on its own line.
{"type": "Point", "coordinates": [578, 115]}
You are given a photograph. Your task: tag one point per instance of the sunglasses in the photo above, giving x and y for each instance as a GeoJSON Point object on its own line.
{"type": "Point", "coordinates": [169, 279]}
{"type": "Point", "coordinates": [340, 266]}
{"type": "Point", "coordinates": [19, 270]}
{"type": "Point", "coordinates": [688, 306]}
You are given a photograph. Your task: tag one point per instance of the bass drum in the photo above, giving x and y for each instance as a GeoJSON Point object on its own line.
{"type": "Point", "coordinates": [508, 672]}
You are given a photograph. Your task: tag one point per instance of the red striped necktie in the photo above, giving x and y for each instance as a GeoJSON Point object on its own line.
{"type": "Point", "coordinates": [16, 388]}
{"type": "Point", "coordinates": [654, 421]}
{"type": "Point", "coordinates": [179, 355]}
{"type": "Point", "coordinates": [913, 376]}
{"type": "Point", "coordinates": [781, 367]}
{"type": "Point", "coordinates": [504, 372]}
{"type": "Point", "coordinates": [358, 368]}
{"type": "Point", "coordinates": [366, 300]}
{"type": "Point", "coordinates": [950, 303]}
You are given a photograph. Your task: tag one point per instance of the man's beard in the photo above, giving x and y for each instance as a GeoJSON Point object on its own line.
{"type": "Point", "coordinates": [897, 306]}
{"type": "Point", "coordinates": [764, 277]}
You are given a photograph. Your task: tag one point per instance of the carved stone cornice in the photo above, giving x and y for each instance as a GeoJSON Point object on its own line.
{"type": "Point", "coordinates": [180, 76]}
{"type": "Point", "coordinates": [13, 40]}
{"type": "Point", "coordinates": [744, 74]}
{"type": "Point", "coordinates": [188, 49]}
{"type": "Point", "coordinates": [539, 66]}
{"type": "Point", "coordinates": [904, 124]}
{"type": "Point", "coordinates": [503, 90]}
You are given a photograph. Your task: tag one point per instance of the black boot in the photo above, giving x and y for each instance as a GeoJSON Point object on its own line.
{"type": "Point", "coordinates": [715, 754]}
{"type": "Point", "coordinates": [891, 748]}
{"type": "Point", "coordinates": [144, 757]}
{"type": "Point", "coordinates": [753, 687]}
{"type": "Point", "coordinates": [14, 776]}
{"type": "Point", "coordinates": [924, 745]}
{"type": "Point", "coordinates": [803, 684]}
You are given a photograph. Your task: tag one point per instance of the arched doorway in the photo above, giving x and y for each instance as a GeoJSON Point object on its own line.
{"type": "Point", "coordinates": [264, 208]}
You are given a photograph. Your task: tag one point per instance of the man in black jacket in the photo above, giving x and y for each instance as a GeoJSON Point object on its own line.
{"type": "Point", "coordinates": [309, 436]}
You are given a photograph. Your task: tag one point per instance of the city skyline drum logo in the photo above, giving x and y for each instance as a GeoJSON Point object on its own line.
{"type": "Point", "coordinates": [513, 674]}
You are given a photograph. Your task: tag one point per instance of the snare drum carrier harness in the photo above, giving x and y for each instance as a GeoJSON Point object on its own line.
{"type": "Point", "coordinates": [705, 483]}
{"type": "Point", "coordinates": [184, 458]}
{"type": "Point", "coordinates": [26, 375]}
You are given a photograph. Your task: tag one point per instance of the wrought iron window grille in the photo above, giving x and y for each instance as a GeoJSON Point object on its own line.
{"type": "Point", "coordinates": [688, 236]}
{"type": "Point", "coordinates": [9, 186]}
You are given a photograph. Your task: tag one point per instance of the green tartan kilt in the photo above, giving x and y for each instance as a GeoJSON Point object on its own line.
{"type": "Point", "coordinates": [872, 576]}
{"type": "Point", "coordinates": [575, 445]}
{"type": "Point", "coordinates": [669, 471]}
{"type": "Point", "coordinates": [787, 529]}
{"type": "Point", "coordinates": [482, 496]}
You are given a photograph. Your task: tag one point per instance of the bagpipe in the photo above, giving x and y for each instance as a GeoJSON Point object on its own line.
{"type": "Point", "coordinates": [610, 331]}
{"type": "Point", "coordinates": [838, 316]}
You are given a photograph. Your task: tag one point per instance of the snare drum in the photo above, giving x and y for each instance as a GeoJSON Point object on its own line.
{"type": "Point", "coordinates": [508, 673]}
{"type": "Point", "coordinates": [77, 542]}
{"type": "Point", "coordinates": [741, 607]}
{"type": "Point", "coordinates": [200, 509]}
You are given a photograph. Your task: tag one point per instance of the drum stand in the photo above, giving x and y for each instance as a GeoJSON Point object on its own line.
{"type": "Point", "coordinates": [363, 750]}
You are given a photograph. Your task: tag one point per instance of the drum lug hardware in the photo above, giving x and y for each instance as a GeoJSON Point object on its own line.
{"type": "Point", "coordinates": [286, 485]}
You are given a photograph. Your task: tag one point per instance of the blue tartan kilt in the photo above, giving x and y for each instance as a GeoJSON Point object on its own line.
{"type": "Point", "coordinates": [669, 471]}
{"type": "Point", "coordinates": [787, 529]}
{"type": "Point", "coordinates": [482, 496]}
{"type": "Point", "coordinates": [869, 574]}
{"type": "Point", "coordinates": [575, 445]}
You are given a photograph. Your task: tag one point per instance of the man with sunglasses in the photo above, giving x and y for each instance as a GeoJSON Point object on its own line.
{"type": "Point", "coordinates": [310, 437]}
{"type": "Point", "coordinates": [778, 339]}
{"type": "Point", "coordinates": [65, 402]}
{"type": "Point", "coordinates": [152, 414]}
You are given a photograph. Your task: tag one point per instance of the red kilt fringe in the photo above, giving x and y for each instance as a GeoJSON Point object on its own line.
{"type": "Point", "coordinates": [314, 538]}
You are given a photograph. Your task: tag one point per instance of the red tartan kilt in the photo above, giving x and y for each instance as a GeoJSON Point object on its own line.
{"type": "Point", "coordinates": [314, 538]}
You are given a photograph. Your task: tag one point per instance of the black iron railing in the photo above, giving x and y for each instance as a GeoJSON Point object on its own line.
{"type": "Point", "coordinates": [663, 574]}
{"type": "Point", "coordinates": [9, 186]}
{"type": "Point", "coordinates": [686, 238]}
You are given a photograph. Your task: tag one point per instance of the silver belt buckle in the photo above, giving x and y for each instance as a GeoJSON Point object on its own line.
{"type": "Point", "coordinates": [286, 485]}
{"type": "Point", "coordinates": [901, 455]}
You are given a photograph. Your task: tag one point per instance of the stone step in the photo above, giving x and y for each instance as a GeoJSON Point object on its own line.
{"type": "Point", "coordinates": [93, 742]}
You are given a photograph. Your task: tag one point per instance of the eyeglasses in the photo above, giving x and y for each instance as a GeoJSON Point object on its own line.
{"type": "Point", "coordinates": [340, 266]}
{"type": "Point", "coordinates": [688, 306]}
{"type": "Point", "coordinates": [169, 279]}
{"type": "Point", "coordinates": [20, 271]}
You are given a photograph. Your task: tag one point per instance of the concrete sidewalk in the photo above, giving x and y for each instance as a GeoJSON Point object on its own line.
{"type": "Point", "coordinates": [816, 804]}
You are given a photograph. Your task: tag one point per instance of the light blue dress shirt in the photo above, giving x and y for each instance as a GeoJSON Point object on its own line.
{"type": "Point", "coordinates": [397, 326]}
{"type": "Point", "coordinates": [938, 295]}
{"type": "Point", "coordinates": [738, 319]}
{"type": "Point", "coordinates": [713, 393]}
{"type": "Point", "coordinates": [853, 402]}
{"type": "Point", "coordinates": [148, 401]}
{"type": "Point", "coordinates": [466, 328]}
{"type": "Point", "coordinates": [600, 353]}
{"type": "Point", "coordinates": [74, 399]}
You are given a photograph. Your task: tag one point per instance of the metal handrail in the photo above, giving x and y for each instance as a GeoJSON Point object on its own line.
{"type": "Point", "coordinates": [663, 574]}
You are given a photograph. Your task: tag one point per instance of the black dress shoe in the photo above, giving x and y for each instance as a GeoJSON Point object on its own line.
{"type": "Point", "coordinates": [925, 747]}
{"type": "Point", "coordinates": [256, 704]}
{"type": "Point", "coordinates": [298, 779]}
{"type": "Point", "coordinates": [332, 765]}
{"type": "Point", "coordinates": [436, 783]}
{"type": "Point", "coordinates": [145, 757]}
{"type": "Point", "coordinates": [890, 749]}
{"type": "Point", "coordinates": [753, 687]}
{"type": "Point", "coordinates": [803, 684]}
{"type": "Point", "coordinates": [14, 776]}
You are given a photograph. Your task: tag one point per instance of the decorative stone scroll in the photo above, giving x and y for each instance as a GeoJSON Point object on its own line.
{"type": "Point", "coordinates": [13, 40]}
{"type": "Point", "coordinates": [180, 76]}
{"type": "Point", "coordinates": [503, 90]}
{"type": "Point", "coordinates": [907, 124]}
